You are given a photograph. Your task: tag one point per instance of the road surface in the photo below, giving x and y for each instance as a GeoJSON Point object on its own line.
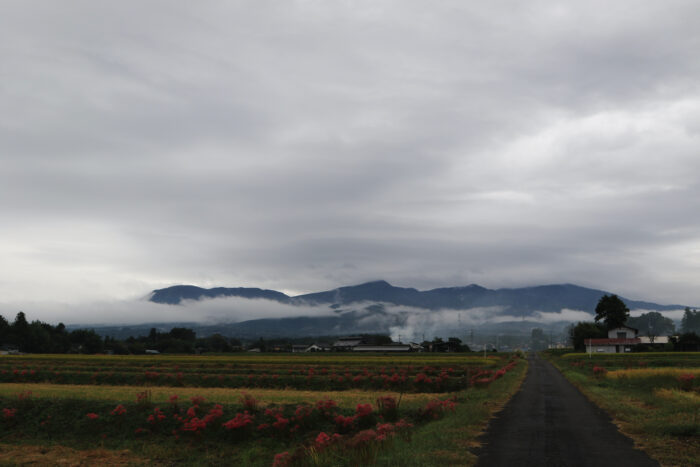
{"type": "Point", "coordinates": [550, 423]}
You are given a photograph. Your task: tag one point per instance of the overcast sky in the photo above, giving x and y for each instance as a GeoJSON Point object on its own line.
{"type": "Point", "coordinates": [306, 145]}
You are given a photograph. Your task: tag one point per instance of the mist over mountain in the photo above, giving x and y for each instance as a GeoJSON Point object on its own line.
{"type": "Point", "coordinates": [176, 294]}
{"type": "Point", "coordinates": [518, 301]}
{"type": "Point", "coordinates": [380, 307]}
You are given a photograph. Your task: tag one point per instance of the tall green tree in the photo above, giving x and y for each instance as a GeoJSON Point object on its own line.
{"type": "Point", "coordinates": [653, 324]}
{"type": "Point", "coordinates": [691, 321]}
{"type": "Point", "coordinates": [612, 311]}
{"type": "Point", "coordinates": [586, 330]}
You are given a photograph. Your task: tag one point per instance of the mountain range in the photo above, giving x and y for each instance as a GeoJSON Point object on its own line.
{"type": "Point", "coordinates": [518, 301]}
{"type": "Point", "coordinates": [379, 307]}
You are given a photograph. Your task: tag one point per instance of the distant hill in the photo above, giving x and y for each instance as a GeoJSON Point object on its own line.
{"type": "Point", "coordinates": [176, 294]}
{"type": "Point", "coordinates": [518, 302]}
{"type": "Point", "coordinates": [379, 307]}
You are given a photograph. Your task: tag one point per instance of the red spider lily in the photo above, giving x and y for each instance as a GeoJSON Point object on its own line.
{"type": "Point", "coordinates": [302, 412]}
{"type": "Point", "coordinates": [363, 410]}
{"type": "Point", "coordinates": [214, 414]}
{"type": "Point", "coordinates": [403, 424]}
{"type": "Point", "coordinates": [326, 405]}
{"type": "Point", "coordinates": [273, 412]}
{"type": "Point", "coordinates": [119, 410]}
{"type": "Point", "coordinates": [322, 440]}
{"type": "Point", "coordinates": [436, 408]}
{"type": "Point", "coordinates": [241, 420]}
{"type": "Point", "coordinates": [281, 423]}
{"type": "Point", "coordinates": [282, 459]}
{"type": "Point", "coordinates": [385, 428]}
{"type": "Point", "coordinates": [421, 378]}
{"type": "Point", "coordinates": [173, 399]}
{"type": "Point", "coordinates": [362, 438]}
{"type": "Point", "coordinates": [344, 422]}
{"type": "Point", "coordinates": [197, 400]}
{"type": "Point", "coordinates": [194, 425]}
{"type": "Point", "coordinates": [156, 416]}
{"type": "Point", "coordinates": [686, 381]}
{"type": "Point", "coordinates": [143, 397]}
{"type": "Point", "coordinates": [192, 411]}
{"type": "Point", "coordinates": [92, 416]}
{"type": "Point", "coordinates": [9, 413]}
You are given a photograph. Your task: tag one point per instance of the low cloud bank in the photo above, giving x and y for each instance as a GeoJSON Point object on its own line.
{"type": "Point", "coordinates": [675, 315]}
{"type": "Point", "coordinates": [137, 311]}
{"type": "Point", "coordinates": [406, 323]}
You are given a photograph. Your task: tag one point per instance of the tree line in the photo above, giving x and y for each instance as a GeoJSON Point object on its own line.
{"type": "Point", "coordinates": [611, 312]}
{"type": "Point", "coordinates": [40, 337]}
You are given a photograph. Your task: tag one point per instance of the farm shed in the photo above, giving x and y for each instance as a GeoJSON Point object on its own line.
{"type": "Point", "coordinates": [346, 344]}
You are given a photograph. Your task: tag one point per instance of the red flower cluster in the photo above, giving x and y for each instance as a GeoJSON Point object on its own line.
{"type": "Point", "coordinates": [195, 425]}
{"type": "Point", "coordinates": [241, 420]}
{"type": "Point", "coordinates": [344, 423]}
{"type": "Point", "coordinates": [436, 409]}
{"type": "Point", "coordinates": [363, 410]}
{"type": "Point", "coordinates": [686, 381]}
{"type": "Point", "coordinates": [156, 416]}
{"type": "Point", "coordinates": [282, 459]}
{"type": "Point", "coordinates": [326, 406]}
{"type": "Point", "coordinates": [119, 410]}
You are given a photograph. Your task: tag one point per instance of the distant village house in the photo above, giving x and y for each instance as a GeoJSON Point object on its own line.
{"type": "Point", "coordinates": [619, 340]}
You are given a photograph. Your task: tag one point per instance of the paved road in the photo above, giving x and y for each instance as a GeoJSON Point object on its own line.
{"type": "Point", "coordinates": [550, 423]}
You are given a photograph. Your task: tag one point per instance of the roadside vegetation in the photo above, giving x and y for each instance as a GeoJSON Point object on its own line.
{"type": "Point", "coordinates": [398, 419]}
{"type": "Point", "coordinates": [653, 397]}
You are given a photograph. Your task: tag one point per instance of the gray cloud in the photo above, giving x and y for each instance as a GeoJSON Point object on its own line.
{"type": "Point", "coordinates": [307, 145]}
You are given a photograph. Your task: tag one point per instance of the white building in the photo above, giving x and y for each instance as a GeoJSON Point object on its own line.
{"type": "Point", "coordinates": [619, 340]}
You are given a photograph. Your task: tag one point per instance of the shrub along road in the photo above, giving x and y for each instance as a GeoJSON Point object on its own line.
{"type": "Point", "coordinates": [550, 423]}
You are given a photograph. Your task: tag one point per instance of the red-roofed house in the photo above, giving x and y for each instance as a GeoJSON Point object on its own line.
{"type": "Point", "coordinates": [619, 340]}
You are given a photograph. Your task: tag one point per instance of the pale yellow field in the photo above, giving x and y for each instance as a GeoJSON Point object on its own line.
{"type": "Point", "coordinates": [652, 372]}
{"type": "Point", "coordinates": [219, 395]}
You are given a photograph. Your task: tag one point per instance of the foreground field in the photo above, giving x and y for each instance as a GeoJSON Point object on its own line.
{"type": "Point", "coordinates": [396, 424]}
{"type": "Point", "coordinates": [653, 397]}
